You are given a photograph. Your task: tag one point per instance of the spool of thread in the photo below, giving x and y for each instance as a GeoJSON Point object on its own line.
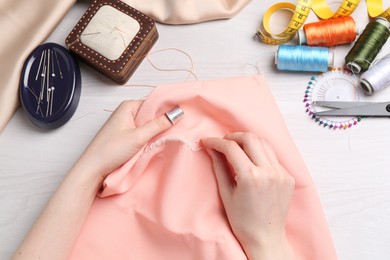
{"type": "Point", "coordinates": [303, 58]}
{"type": "Point", "coordinates": [377, 77]}
{"type": "Point", "coordinates": [368, 45]}
{"type": "Point", "coordinates": [329, 33]}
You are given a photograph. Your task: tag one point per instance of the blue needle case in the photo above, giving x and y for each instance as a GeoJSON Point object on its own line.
{"type": "Point", "coordinates": [50, 86]}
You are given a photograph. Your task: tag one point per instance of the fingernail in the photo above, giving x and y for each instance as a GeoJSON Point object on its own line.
{"type": "Point", "coordinates": [175, 114]}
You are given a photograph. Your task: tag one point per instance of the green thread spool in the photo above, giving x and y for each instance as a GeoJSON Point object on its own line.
{"type": "Point", "coordinates": [368, 45]}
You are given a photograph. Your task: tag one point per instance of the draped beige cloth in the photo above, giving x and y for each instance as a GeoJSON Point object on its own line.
{"type": "Point", "coordinates": [187, 11]}
{"type": "Point", "coordinates": [24, 24]}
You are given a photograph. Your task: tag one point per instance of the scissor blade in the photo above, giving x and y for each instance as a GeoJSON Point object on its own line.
{"type": "Point", "coordinates": [340, 104]}
{"type": "Point", "coordinates": [375, 109]}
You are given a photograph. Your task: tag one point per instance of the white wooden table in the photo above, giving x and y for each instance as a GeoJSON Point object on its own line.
{"type": "Point", "coordinates": [350, 168]}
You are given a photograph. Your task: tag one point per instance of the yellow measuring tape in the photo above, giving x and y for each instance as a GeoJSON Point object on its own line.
{"type": "Point", "coordinates": [301, 12]}
{"type": "Point", "coordinates": [375, 8]}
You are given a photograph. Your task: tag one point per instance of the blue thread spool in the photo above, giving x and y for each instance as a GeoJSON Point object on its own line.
{"type": "Point", "coordinates": [303, 58]}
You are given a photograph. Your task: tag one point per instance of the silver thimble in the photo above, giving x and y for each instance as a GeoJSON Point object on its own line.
{"type": "Point", "coordinates": [175, 114]}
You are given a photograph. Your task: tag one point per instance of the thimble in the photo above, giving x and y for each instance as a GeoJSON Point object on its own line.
{"type": "Point", "coordinates": [175, 114]}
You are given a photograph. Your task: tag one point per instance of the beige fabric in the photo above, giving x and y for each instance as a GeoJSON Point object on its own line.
{"type": "Point", "coordinates": [187, 11]}
{"type": "Point", "coordinates": [24, 24]}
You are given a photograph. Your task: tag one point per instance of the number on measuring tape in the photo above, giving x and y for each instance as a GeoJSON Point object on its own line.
{"type": "Point", "coordinates": [300, 13]}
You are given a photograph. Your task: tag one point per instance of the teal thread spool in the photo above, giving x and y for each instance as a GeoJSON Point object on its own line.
{"type": "Point", "coordinates": [368, 45]}
{"type": "Point", "coordinates": [303, 58]}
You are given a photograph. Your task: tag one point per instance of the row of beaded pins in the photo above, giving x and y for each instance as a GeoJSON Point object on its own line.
{"type": "Point", "coordinates": [321, 121]}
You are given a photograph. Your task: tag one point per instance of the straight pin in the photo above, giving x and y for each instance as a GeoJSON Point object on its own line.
{"type": "Point", "coordinates": [48, 102]}
{"type": "Point", "coordinates": [36, 98]}
{"type": "Point", "coordinates": [52, 100]}
{"type": "Point", "coordinates": [58, 64]}
{"type": "Point", "coordinates": [43, 80]}
{"type": "Point", "coordinates": [44, 62]}
{"type": "Point", "coordinates": [40, 64]}
{"type": "Point", "coordinates": [52, 67]}
{"type": "Point", "coordinates": [48, 77]}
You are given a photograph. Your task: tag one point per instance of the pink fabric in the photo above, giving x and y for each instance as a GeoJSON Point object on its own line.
{"type": "Point", "coordinates": [164, 203]}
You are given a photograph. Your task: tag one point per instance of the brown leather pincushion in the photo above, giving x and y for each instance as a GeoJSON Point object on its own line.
{"type": "Point", "coordinates": [113, 38]}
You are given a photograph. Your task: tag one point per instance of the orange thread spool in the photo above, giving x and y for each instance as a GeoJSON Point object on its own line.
{"type": "Point", "coordinates": [329, 33]}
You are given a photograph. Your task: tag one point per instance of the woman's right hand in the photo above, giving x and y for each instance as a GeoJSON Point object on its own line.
{"type": "Point", "coordinates": [256, 191]}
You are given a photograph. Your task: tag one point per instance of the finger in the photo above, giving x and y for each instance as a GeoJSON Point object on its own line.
{"type": "Point", "coordinates": [233, 152]}
{"type": "Point", "coordinates": [222, 173]}
{"type": "Point", "coordinates": [122, 112]}
{"type": "Point", "coordinates": [131, 106]}
{"type": "Point", "coordinates": [154, 127]}
{"type": "Point", "coordinates": [135, 106]}
{"type": "Point", "coordinates": [259, 151]}
{"type": "Point", "coordinates": [270, 152]}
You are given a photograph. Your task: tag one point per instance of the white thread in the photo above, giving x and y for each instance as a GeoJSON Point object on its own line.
{"type": "Point", "coordinates": [166, 140]}
{"type": "Point", "coordinates": [376, 78]}
{"type": "Point", "coordinates": [190, 71]}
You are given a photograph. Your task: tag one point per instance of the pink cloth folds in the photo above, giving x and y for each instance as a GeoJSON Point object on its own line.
{"type": "Point", "coordinates": [164, 203]}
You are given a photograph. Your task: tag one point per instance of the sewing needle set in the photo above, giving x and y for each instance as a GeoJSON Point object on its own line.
{"type": "Point", "coordinates": [50, 86]}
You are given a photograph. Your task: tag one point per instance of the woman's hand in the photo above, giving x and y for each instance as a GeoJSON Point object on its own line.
{"type": "Point", "coordinates": [256, 191]}
{"type": "Point", "coordinates": [57, 228]}
{"type": "Point", "coordinates": [119, 140]}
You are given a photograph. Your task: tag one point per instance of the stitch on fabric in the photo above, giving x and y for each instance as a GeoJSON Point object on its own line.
{"type": "Point", "coordinates": [167, 140]}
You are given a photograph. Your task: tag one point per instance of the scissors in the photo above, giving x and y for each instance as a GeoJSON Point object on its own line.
{"type": "Point", "coordinates": [346, 108]}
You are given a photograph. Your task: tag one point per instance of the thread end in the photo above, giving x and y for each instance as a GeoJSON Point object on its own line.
{"type": "Point", "coordinates": [354, 67]}
{"type": "Point", "coordinates": [330, 59]}
{"type": "Point", "coordinates": [383, 21]}
{"type": "Point", "coordinates": [366, 87]}
{"type": "Point", "coordinates": [302, 37]}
